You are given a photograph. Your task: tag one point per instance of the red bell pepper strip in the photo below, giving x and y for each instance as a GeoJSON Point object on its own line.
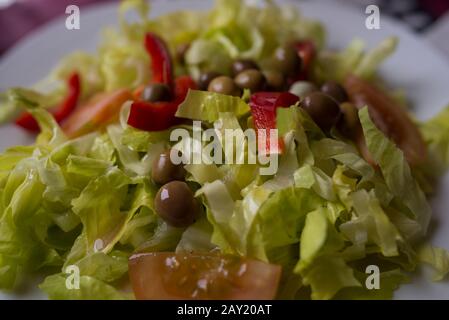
{"type": "Point", "coordinates": [307, 52]}
{"type": "Point", "coordinates": [161, 63]}
{"type": "Point", "coordinates": [263, 109]}
{"type": "Point", "coordinates": [68, 105]}
{"type": "Point", "coordinates": [157, 116]}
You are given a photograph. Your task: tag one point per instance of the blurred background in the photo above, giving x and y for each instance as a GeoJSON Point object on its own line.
{"type": "Point", "coordinates": [430, 18]}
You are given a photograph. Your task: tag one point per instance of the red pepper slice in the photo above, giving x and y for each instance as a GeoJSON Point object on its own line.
{"type": "Point", "coordinates": [263, 109]}
{"type": "Point", "coordinates": [161, 63]}
{"type": "Point", "coordinates": [157, 116]}
{"type": "Point", "coordinates": [307, 51]}
{"type": "Point", "coordinates": [67, 106]}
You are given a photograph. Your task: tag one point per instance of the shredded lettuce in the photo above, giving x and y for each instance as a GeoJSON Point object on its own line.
{"type": "Point", "coordinates": [436, 135]}
{"type": "Point", "coordinates": [438, 258]}
{"type": "Point", "coordinates": [90, 288]}
{"type": "Point", "coordinates": [397, 172]}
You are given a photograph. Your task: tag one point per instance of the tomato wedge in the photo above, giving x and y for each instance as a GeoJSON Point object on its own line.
{"type": "Point", "coordinates": [389, 117]}
{"type": "Point", "coordinates": [170, 276]}
{"type": "Point", "coordinates": [98, 112]}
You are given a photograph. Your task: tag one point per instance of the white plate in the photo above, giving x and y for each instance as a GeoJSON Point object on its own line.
{"type": "Point", "coordinates": [416, 67]}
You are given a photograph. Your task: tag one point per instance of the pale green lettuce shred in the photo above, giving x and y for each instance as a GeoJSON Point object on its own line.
{"type": "Point", "coordinates": [207, 106]}
{"type": "Point", "coordinates": [87, 65]}
{"type": "Point", "coordinates": [320, 243]}
{"type": "Point", "coordinates": [66, 202]}
{"type": "Point", "coordinates": [239, 30]}
{"type": "Point", "coordinates": [338, 65]}
{"type": "Point", "coordinates": [389, 280]}
{"type": "Point", "coordinates": [197, 238]}
{"type": "Point", "coordinates": [436, 257]}
{"type": "Point", "coordinates": [371, 61]}
{"type": "Point", "coordinates": [436, 135]}
{"type": "Point", "coordinates": [372, 218]}
{"type": "Point", "coordinates": [16, 100]}
{"type": "Point", "coordinates": [310, 177]}
{"type": "Point", "coordinates": [329, 275]}
{"type": "Point", "coordinates": [90, 288]}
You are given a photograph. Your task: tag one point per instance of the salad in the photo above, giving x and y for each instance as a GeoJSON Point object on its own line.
{"type": "Point", "coordinates": [98, 205]}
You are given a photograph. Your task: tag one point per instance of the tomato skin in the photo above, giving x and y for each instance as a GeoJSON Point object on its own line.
{"type": "Point", "coordinates": [389, 117]}
{"type": "Point", "coordinates": [170, 276]}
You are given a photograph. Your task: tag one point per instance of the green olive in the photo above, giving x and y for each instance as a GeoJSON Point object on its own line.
{"type": "Point", "coordinates": [323, 109]}
{"type": "Point", "coordinates": [336, 91]}
{"type": "Point", "coordinates": [242, 65]}
{"type": "Point", "coordinates": [287, 60]}
{"type": "Point", "coordinates": [176, 205]}
{"type": "Point", "coordinates": [205, 79]}
{"type": "Point", "coordinates": [224, 85]}
{"type": "Point", "coordinates": [156, 92]}
{"type": "Point", "coordinates": [301, 88]}
{"type": "Point", "coordinates": [275, 80]}
{"type": "Point", "coordinates": [163, 170]}
{"type": "Point", "coordinates": [251, 79]}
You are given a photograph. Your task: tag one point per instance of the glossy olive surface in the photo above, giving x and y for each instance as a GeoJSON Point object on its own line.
{"type": "Point", "coordinates": [336, 91]}
{"type": "Point", "coordinates": [242, 65]}
{"type": "Point", "coordinates": [176, 205]}
{"type": "Point", "coordinates": [205, 79]}
{"type": "Point", "coordinates": [275, 80]}
{"type": "Point", "coordinates": [156, 92]}
{"type": "Point", "coordinates": [224, 85]}
{"type": "Point", "coordinates": [163, 170]}
{"type": "Point", "coordinates": [323, 109]}
{"type": "Point", "coordinates": [287, 60]}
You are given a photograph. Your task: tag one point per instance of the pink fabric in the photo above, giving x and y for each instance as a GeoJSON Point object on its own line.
{"type": "Point", "coordinates": [24, 16]}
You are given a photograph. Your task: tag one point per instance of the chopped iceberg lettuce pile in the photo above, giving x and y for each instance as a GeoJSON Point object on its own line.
{"type": "Point", "coordinates": [87, 202]}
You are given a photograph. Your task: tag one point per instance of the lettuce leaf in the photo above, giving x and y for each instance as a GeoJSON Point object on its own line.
{"type": "Point", "coordinates": [281, 218]}
{"type": "Point", "coordinates": [436, 135]}
{"type": "Point", "coordinates": [388, 283]}
{"type": "Point", "coordinates": [396, 171]}
{"type": "Point", "coordinates": [90, 289]}
{"type": "Point", "coordinates": [436, 257]}
{"type": "Point", "coordinates": [206, 106]}
{"type": "Point", "coordinates": [327, 276]}
{"type": "Point", "coordinates": [197, 238]}
{"type": "Point", "coordinates": [338, 65]}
